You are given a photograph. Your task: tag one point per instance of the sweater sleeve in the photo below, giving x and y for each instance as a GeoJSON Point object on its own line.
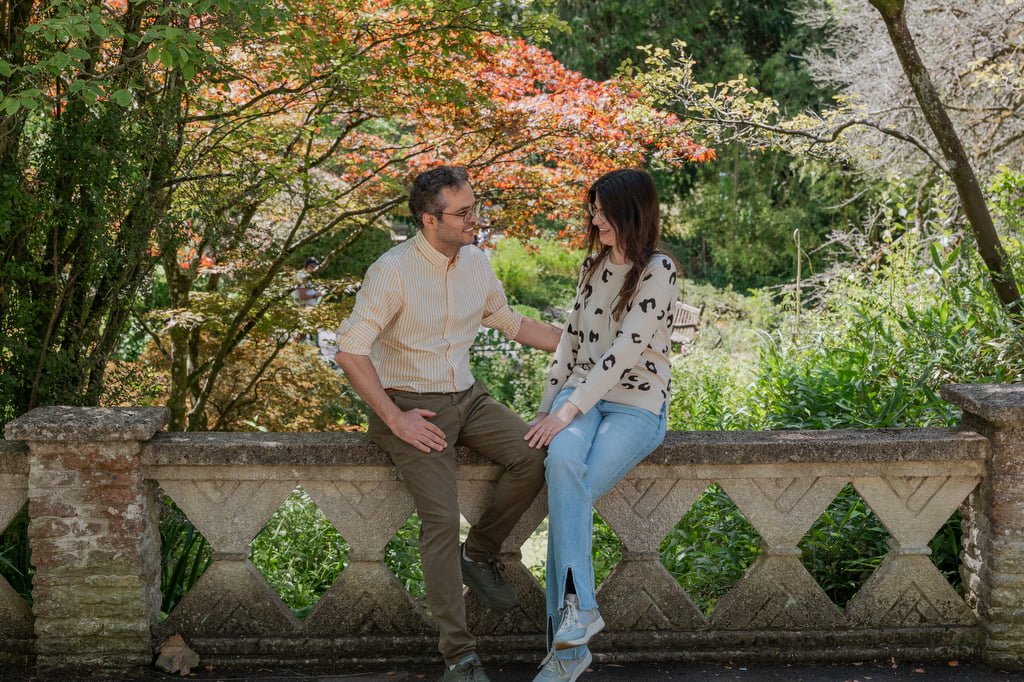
{"type": "Point", "coordinates": [568, 347]}
{"type": "Point", "coordinates": [654, 301]}
{"type": "Point", "coordinates": [564, 360]}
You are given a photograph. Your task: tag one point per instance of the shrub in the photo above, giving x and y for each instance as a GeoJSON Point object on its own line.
{"type": "Point", "coordinates": [541, 273]}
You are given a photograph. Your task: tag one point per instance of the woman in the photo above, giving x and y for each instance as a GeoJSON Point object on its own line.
{"type": "Point", "coordinates": [603, 408]}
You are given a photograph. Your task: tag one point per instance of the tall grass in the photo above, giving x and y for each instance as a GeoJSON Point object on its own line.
{"type": "Point", "coordinates": [299, 552]}
{"type": "Point", "coordinates": [184, 552]}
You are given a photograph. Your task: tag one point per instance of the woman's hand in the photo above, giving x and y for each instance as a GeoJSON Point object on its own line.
{"type": "Point", "coordinates": [545, 426]}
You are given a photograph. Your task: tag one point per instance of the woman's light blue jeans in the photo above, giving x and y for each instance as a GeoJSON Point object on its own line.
{"type": "Point", "coordinates": [585, 460]}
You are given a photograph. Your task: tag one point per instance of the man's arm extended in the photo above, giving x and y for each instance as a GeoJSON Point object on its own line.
{"type": "Point", "coordinates": [538, 334]}
{"type": "Point", "coordinates": [411, 426]}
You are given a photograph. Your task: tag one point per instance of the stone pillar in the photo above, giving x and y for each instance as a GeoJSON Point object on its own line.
{"type": "Point", "coordinates": [94, 533]}
{"type": "Point", "coordinates": [994, 533]}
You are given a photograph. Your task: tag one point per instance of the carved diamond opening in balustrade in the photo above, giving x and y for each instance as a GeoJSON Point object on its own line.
{"type": "Point", "coordinates": [777, 591]}
{"type": "Point", "coordinates": [375, 516]}
{"type": "Point", "coordinates": [15, 570]}
{"type": "Point", "coordinates": [710, 548]}
{"type": "Point", "coordinates": [907, 589]}
{"type": "Point", "coordinates": [231, 597]}
{"type": "Point", "coordinates": [185, 555]}
{"type": "Point", "coordinates": [299, 553]}
{"type": "Point", "coordinates": [844, 546]}
{"type": "Point", "coordinates": [640, 594]}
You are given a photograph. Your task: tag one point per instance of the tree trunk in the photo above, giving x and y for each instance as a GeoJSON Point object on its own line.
{"type": "Point", "coordinates": [971, 197]}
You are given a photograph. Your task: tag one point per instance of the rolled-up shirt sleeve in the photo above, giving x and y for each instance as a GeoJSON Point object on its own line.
{"type": "Point", "coordinates": [377, 303]}
{"type": "Point", "coordinates": [497, 312]}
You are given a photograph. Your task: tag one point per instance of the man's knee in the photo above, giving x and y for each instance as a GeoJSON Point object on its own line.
{"type": "Point", "coordinates": [440, 521]}
{"type": "Point", "coordinates": [528, 463]}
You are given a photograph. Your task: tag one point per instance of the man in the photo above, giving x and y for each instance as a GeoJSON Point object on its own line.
{"type": "Point", "coordinates": [304, 293]}
{"type": "Point", "coordinates": [405, 349]}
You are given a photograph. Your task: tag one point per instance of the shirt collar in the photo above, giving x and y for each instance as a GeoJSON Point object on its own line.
{"type": "Point", "coordinates": [432, 255]}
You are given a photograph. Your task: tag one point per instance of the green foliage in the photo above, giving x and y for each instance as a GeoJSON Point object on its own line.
{"type": "Point", "coordinates": [606, 549]}
{"type": "Point", "coordinates": [727, 37]}
{"type": "Point", "coordinates": [879, 352]}
{"type": "Point", "coordinates": [402, 556]}
{"type": "Point", "coordinates": [735, 226]}
{"type": "Point", "coordinates": [92, 104]}
{"type": "Point", "coordinates": [541, 273]}
{"type": "Point", "coordinates": [184, 555]}
{"type": "Point", "coordinates": [848, 542]}
{"type": "Point", "coordinates": [710, 548]}
{"type": "Point", "coordinates": [514, 374]}
{"type": "Point", "coordinates": [16, 556]}
{"type": "Point", "coordinates": [844, 546]}
{"type": "Point", "coordinates": [300, 553]}
{"type": "Point", "coordinates": [731, 221]}
{"type": "Point", "coordinates": [343, 253]}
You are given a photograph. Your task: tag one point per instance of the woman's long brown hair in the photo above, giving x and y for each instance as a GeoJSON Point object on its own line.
{"type": "Point", "coordinates": [629, 200]}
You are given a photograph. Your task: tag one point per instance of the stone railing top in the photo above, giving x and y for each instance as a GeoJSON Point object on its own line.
{"type": "Point", "coordinates": [13, 457]}
{"type": "Point", "coordinates": [88, 424]}
{"type": "Point", "coordinates": [680, 447]}
{"type": "Point", "coordinates": [999, 404]}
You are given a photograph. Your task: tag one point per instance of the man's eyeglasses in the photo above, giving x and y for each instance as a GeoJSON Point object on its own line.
{"type": "Point", "coordinates": [469, 215]}
{"type": "Point", "coordinates": [593, 210]}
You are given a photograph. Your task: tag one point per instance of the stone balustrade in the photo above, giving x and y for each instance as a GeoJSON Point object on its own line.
{"type": "Point", "coordinates": [91, 478]}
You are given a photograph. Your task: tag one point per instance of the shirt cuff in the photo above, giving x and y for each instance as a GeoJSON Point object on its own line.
{"type": "Point", "coordinates": [506, 321]}
{"type": "Point", "coordinates": [356, 339]}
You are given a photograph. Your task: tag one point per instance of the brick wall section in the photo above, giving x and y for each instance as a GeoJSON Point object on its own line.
{"type": "Point", "coordinates": [94, 536]}
{"type": "Point", "coordinates": [994, 533]}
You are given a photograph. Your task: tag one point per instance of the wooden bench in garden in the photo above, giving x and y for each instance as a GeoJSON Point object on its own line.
{"type": "Point", "coordinates": [686, 323]}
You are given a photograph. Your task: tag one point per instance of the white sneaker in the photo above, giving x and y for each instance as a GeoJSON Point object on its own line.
{"type": "Point", "coordinates": [577, 627]}
{"type": "Point", "coordinates": [556, 670]}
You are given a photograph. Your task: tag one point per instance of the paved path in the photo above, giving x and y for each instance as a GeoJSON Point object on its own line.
{"type": "Point", "coordinates": [867, 672]}
{"type": "Point", "coordinates": [608, 672]}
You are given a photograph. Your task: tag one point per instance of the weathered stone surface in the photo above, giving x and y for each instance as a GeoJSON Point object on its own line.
{"type": "Point", "coordinates": [15, 614]}
{"type": "Point", "coordinates": [229, 513]}
{"type": "Point", "coordinates": [999, 404]}
{"type": "Point", "coordinates": [642, 511]}
{"type": "Point", "coordinates": [907, 591]}
{"type": "Point", "coordinates": [88, 424]}
{"type": "Point", "coordinates": [13, 457]}
{"type": "Point", "coordinates": [96, 547]}
{"type": "Point", "coordinates": [863, 445]}
{"type": "Point", "coordinates": [913, 508]}
{"type": "Point", "coordinates": [366, 513]}
{"type": "Point", "coordinates": [777, 592]}
{"type": "Point", "coordinates": [231, 600]}
{"type": "Point", "coordinates": [92, 514]}
{"type": "Point", "coordinates": [679, 447]}
{"type": "Point", "coordinates": [783, 509]}
{"type": "Point", "coordinates": [13, 495]}
{"type": "Point", "coordinates": [264, 449]}
{"type": "Point", "coordinates": [642, 595]}
{"type": "Point", "coordinates": [366, 599]}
